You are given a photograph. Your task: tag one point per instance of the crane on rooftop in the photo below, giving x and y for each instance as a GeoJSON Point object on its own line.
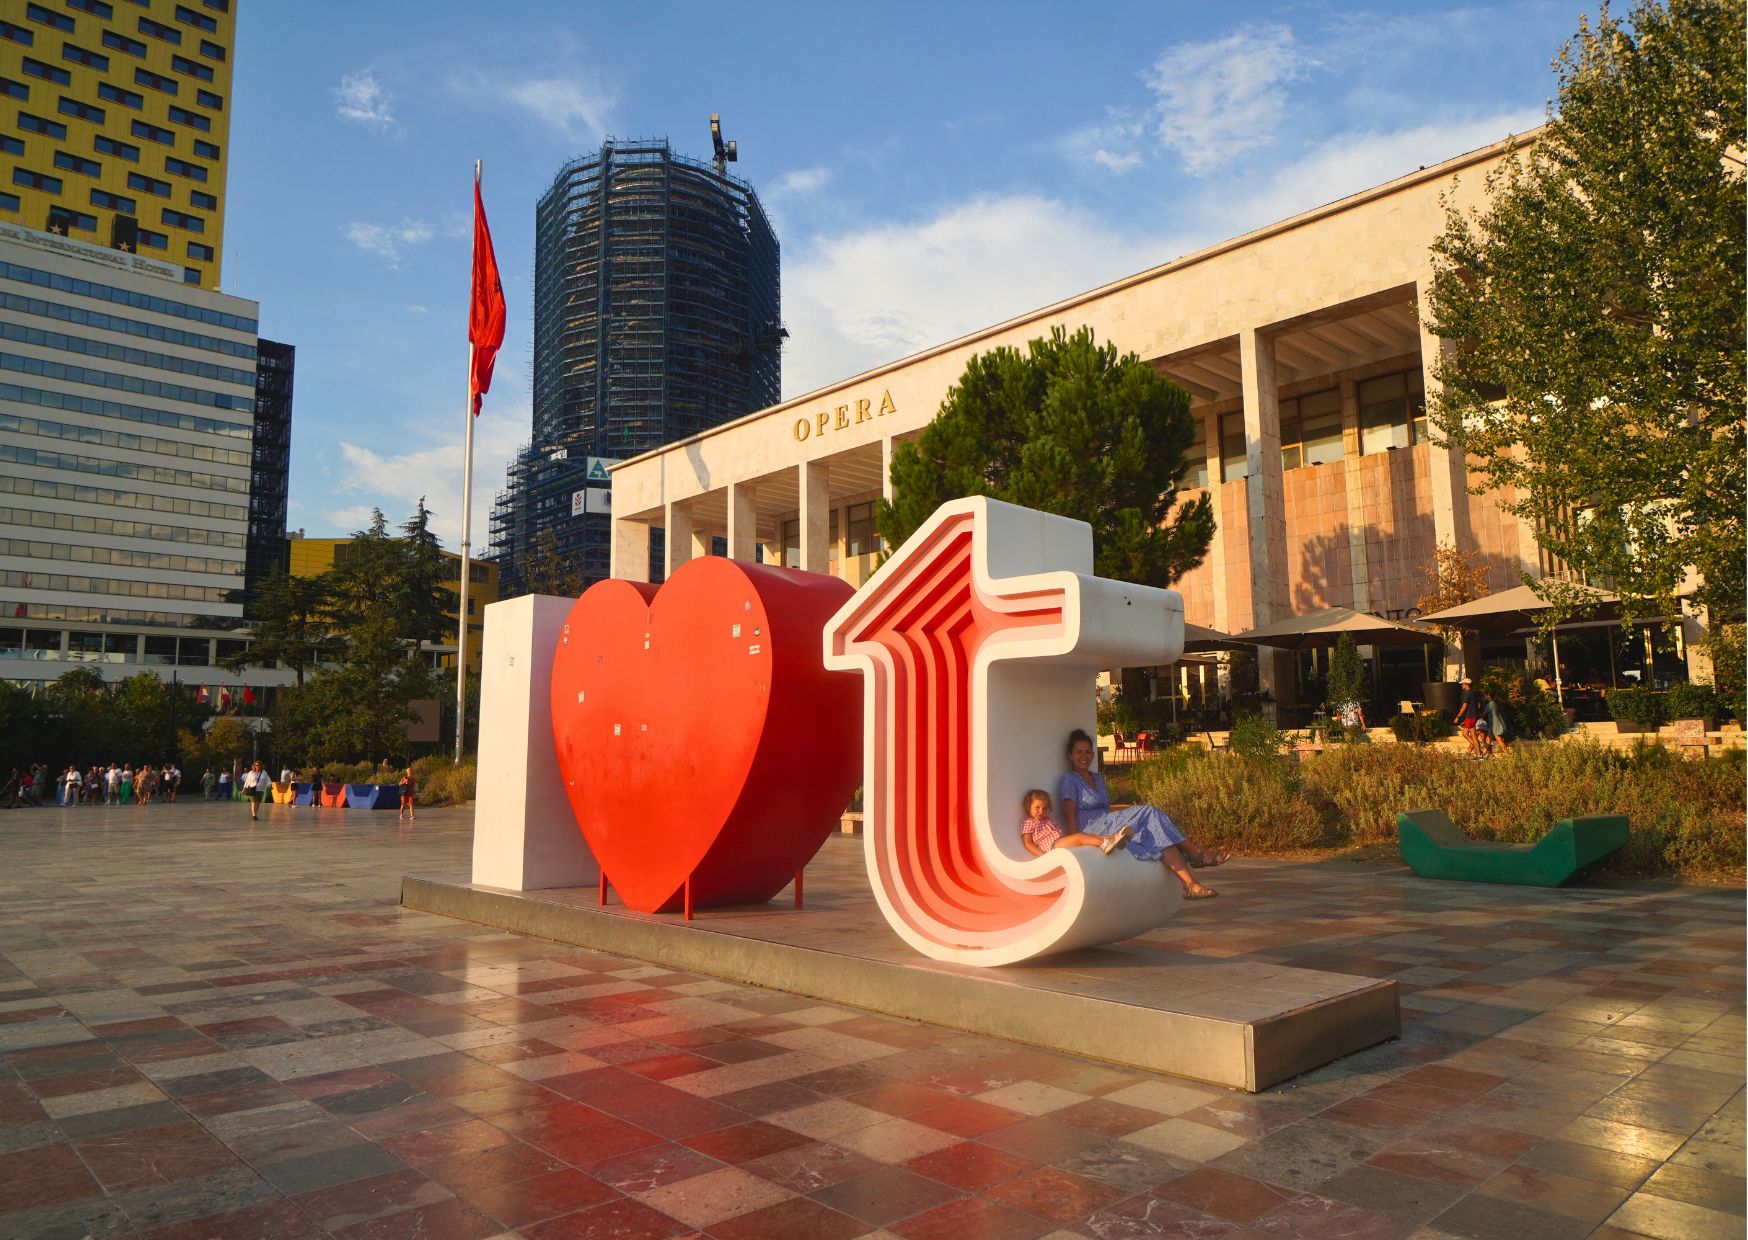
{"type": "Point", "coordinates": [726, 152]}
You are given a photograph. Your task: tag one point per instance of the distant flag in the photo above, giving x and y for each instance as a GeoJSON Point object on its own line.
{"type": "Point", "coordinates": [248, 696]}
{"type": "Point", "coordinates": [485, 318]}
{"type": "Point", "coordinates": [224, 699]}
{"type": "Point", "coordinates": [203, 697]}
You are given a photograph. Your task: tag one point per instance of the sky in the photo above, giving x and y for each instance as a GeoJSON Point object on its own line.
{"type": "Point", "coordinates": [930, 168]}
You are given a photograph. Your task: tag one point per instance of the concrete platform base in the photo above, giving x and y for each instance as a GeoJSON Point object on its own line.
{"type": "Point", "coordinates": [1240, 1024]}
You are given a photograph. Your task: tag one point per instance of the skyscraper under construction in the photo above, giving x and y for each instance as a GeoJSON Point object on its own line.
{"type": "Point", "coordinates": [656, 316]}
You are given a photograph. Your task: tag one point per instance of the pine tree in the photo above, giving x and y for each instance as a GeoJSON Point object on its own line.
{"type": "Point", "coordinates": [1068, 427]}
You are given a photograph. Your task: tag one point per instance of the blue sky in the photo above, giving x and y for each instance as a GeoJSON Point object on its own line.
{"type": "Point", "coordinates": [930, 168]}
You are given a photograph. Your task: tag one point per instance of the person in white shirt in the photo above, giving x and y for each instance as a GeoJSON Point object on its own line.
{"type": "Point", "coordinates": [72, 781]}
{"type": "Point", "coordinates": [112, 784]}
{"type": "Point", "coordinates": [254, 784]}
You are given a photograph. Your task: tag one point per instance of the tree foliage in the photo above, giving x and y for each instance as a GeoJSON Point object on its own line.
{"type": "Point", "coordinates": [1068, 427]}
{"type": "Point", "coordinates": [1594, 306]}
{"type": "Point", "coordinates": [354, 636]}
{"type": "Point", "coordinates": [548, 572]}
{"type": "Point", "coordinates": [1347, 674]}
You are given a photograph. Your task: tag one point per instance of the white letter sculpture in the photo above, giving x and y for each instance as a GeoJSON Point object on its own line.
{"type": "Point", "coordinates": [978, 643]}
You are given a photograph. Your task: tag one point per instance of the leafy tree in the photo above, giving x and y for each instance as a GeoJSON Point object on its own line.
{"type": "Point", "coordinates": [1596, 308]}
{"type": "Point", "coordinates": [1069, 427]}
{"type": "Point", "coordinates": [1453, 578]}
{"type": "Point", "coordinates": [548, 572]}
{"type": "Point", "coordinates": [1347, 674]}
{"type": "Point", "coordinates": [291, 625]}
{"type": "Point", "coordinates": [382, 599]}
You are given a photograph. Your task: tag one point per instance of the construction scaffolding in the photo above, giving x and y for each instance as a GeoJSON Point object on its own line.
{"type": "Point", "coordinates": [656, 316]}
{"type": "Point", "coordinates": [269, 464]}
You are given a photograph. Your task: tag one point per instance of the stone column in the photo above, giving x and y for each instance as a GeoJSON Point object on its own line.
{"type": "Point", "coordinates": [1449, 474]}
{"type": "Point", "coordinates": [743, 521]}
{"type": "Point", "coordinates": [680, 543]}
{"type": "Point", "coordinates": [1266, 497]}
{"type": "Point", "coordinates": [886, 469]}
{"type": "Point", "coordinates": [630, 552]}
{"type": "Point", "coordinates": [1217, 545]}
{"type": "Point", "coordinates": [815, 516]}
{"type": "Point", "coordinates": [1353, 485]}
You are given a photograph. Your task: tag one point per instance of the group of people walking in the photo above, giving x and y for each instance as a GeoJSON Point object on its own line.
{"type": "Point", "coordinates": [114, 784]}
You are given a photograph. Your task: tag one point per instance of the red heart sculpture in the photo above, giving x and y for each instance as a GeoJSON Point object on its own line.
{"type": "Point", "coordinates": [698, 733]}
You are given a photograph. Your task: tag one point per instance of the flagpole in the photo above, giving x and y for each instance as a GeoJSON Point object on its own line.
{"type": "Point", "coordinates": [466, 544]}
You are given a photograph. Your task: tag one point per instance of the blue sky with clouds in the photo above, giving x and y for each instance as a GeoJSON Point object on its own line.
{"type": "Point", "coordinates": [930, 168]}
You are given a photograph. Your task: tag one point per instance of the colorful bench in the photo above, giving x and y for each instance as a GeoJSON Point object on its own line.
{"type": "Point", "coordinates": [1435, 847]}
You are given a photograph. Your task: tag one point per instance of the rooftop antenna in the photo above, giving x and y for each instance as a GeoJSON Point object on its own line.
{"type": "Point", "coordinates": [726, 152]}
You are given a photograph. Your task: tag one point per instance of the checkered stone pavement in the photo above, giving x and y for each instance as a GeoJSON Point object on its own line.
{"type": "Point", "coordinates": [209, 1029]}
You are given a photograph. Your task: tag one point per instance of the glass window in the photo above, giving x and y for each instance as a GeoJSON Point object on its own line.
{"type": "Point", "coordinates": [121, 150]}
{"type": "Point", "coordinates": [831, 537]}
{"type": "Point", "coordinates": [11, 145]}
{"type": "Point", "coordinates": [121, 43]}
{"type": "Point", "coordinates": [1392, 412]}
{"type": "Point", "coordinates": [863, 540]}
{"type": "Point", "coordinates": [1196, 460]}
{"type": "Point", "coordinates": [160, 650]}
{"type": "Point", "coordinates": [194, 652]}
{"type": "Point", "coordinates": [792, 544]}
{"type": "Point", "coordinates": [78, 163]}
{"type": "Point", "coordinates": [60, 21]}
{"type": "Point", "coordinates": [96, 8]}
{"type": "Point", "coordinates": [11, 642]}
{"type": "Point", "coordinates": [36, 124]}
{"type": "Point", "coordinates": [36, 180]}
{"type": "Point", "coordinates": [84, 111]}
{"type": "Point", "coordinates": [115, 94]}
{"type": "Point", "coordinates": [1234, 463]}
{"type": "Point", "coordinates": [1311, 429]}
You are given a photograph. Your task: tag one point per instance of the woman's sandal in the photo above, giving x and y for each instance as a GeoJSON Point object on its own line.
{"type": "Point", "coordinates": [1209, 860]}
{"type": "Point", "coordinates": [1199, 892]}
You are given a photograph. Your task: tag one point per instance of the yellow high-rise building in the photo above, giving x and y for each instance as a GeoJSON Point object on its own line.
{"type": "Point", "coordinates": [114, 124]}
{"type": "Point", "coordinates": [311, 557]}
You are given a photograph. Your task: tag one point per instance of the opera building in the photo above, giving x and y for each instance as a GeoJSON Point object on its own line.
{"type": "Point", "coordinates": [1303, 349]}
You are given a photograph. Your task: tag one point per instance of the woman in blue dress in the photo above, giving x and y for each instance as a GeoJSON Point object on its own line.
{"type": "Point", "coordinates": [1086, 806]}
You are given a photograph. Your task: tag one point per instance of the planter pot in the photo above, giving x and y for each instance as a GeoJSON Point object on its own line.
{"type": "Point", "coordinates": [373, 796]}
{"type": "Point", "coordinates": [1442, 695]}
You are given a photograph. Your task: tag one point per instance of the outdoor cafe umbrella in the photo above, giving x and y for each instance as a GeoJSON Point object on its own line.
{"type": "Point", "coordinates": [1518, 608]}
{"type": "Point", "coordinates": [1326, 627]}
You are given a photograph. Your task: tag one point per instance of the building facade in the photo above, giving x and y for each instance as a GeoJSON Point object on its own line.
{"type": "Point", "coordinates": [1304, 350]}
{"type": "Point", "coordinates": [656, 317]}
{"type": "Point", "coordinates": [269, 462]}
{"type": "Point", "coordinates": [114, 125]}
{"type": "Point", "coordinates": [127, 444]}
{"type": "Point", "coordinates": [311, 557]}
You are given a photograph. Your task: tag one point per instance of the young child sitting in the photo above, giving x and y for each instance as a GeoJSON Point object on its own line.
{"type": "Point", "coordinates": [1039, 832]}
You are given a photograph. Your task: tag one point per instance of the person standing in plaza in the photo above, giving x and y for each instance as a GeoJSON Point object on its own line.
{"type": "Point", "coordinates": [208, 782]}
{"type": "Point", "coordinates": [73, 782]}
{"type": "Point", "coordinates": [224, 784]}
{"type": "Point", "coordinates": [409, 789]}
{"type": "Point", "coordinates": [112, 785]}
{"type": "Point", "coordinates": [1468, 715]}
{"type": "Point", "coordinates": [255, 782]}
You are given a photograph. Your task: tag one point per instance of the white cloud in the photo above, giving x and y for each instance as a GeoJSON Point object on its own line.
{"type": "Point", "coordinates": [1113, 143]}
{"type": "Point", "coordinates": [800, 181]}
{"type": "Point", "coordinates": [578, 105]}
{"type": "Point", "coordinates": [360, 98]}
{"type": "Point", "coordinates": [1350, 162]}
{"type": "Point", "coordinates": [921, 284]}
{"type": "Point", "coordinates": [417, 310]}
{"type": "Point", "coordinates": [389, 241]}
{"type": "Point", "coordinates": [1113, 162]}
{"type": "Point", "coordinates": [394, 481]}
{"type": "Point", "coordinates": [1221, 99]}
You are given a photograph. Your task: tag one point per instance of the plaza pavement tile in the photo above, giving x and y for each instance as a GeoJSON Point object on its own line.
{"type": "Point", "coordinates": [214, 1030]}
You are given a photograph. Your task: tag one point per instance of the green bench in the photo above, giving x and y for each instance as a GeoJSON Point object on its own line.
{"type": "Point", "coordinates": [1435, 847]}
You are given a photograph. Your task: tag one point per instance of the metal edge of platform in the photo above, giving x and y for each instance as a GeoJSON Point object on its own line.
{"type": "Point", "coordinates": [1231, 1054]}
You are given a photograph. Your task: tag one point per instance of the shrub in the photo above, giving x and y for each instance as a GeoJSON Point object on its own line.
{"type": "Point", "coordinates": [1691, 701]}
{"type": "Point", "coordinates": [1530, 710]}
{"type": "Point", "coordinates": [1257, 739]}
{"type": "Point", "coordinates": [1422, 728]}
{"type": "Point", "coordinates": [1687, 815]}
{"type": "Point", "coordinates": [1636, 705]}
{"type": "Point", "coordinates": [442, 782]}
{"type": "Point", "coordinates": [1232, 803]}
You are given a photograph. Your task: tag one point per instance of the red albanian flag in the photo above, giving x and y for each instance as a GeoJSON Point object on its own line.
{"type": "Point", "coordinates": [485, 318]}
